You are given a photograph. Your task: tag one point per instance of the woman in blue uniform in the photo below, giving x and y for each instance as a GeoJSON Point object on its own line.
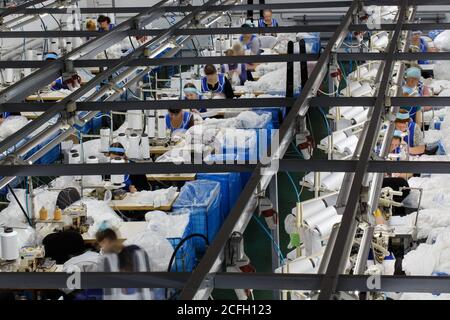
{"type": "Point", "coordinates": [232, 69]}
{"type": "Point", "coordinates": [104, 23]}
{"type": "Point", "coordinates": [215, 84]}
{"type": "Point", "coordinates": [178, 120]}
{"type": "Point", "coordinates": [267, 19]}
{"type": "Point", "coordinates": [133, 183]}
{"type": "Point", "coordinates": [414, 87]}
{"type": "Point", "coordinates": [414, 137]}
{"type": "Point", "coordinates": [191, 93]}
{"type": "Point", "coordinates": [250, 41]}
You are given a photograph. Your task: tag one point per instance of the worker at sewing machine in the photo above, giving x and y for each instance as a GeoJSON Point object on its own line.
{"type": "Point", "coordinates": [420, 44]}
{"type": "Point", "coordinates": [413, 87]}
{"type": "Point", "coordinates": [104, 23]}
{"type": "Point", "coordinates": [107, 240]}
{"type": "Point", "coordinates": [250, 41]}
{"type": "Point", "coordinates": [268, 20]}
{"type": "Point", "coordinates": [69, 84]}
{"type": "Point", "coordinates": [216, 85]}
{"type": "Point", "coordinates": [192, 93]}
{"type": "Point", "coordinates": [133, 183]}
{"type": "Point", "coordinates": [179, 120]}
{"type": "Point", "coordinates": [236, 72]}
{"type": "Point", "coordinates": [413, 137]}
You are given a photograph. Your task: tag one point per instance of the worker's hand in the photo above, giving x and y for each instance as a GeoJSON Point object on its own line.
{"type": "Point", "coordinates": [133, 189]}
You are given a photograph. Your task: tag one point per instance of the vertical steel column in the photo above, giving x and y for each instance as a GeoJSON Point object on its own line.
{"type": "Point", "coordinates": [345, 234]}
{"type": "Point", "coordinates": [273, 196]}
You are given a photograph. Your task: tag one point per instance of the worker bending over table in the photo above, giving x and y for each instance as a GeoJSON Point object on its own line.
{"type": "Point", "coordinates": [412, 135]}
{"type": "Point", "coordinates": [192, 93]}
{"type": "Point", "coordinates": [133, 183]}
{"type": "Point", "coordinates": [216, 85]}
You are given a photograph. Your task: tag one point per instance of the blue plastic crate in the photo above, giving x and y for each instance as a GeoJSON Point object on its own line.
{"type": "Point", "coordinates": [254, 148]}
{"type": "Point", "coordinates": [203, 199]}
{"type": "Point", "coordinates": [185, 259]}
{"type": "Point", "coordinates": [230, 189]}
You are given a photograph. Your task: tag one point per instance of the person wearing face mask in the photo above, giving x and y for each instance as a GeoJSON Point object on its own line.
{"type": "Point", "coordinates": [133, 183]}
{"type": "Point", "coordinates": [414, 136]}
{"type": "Point", "coordinates": [413, 87]}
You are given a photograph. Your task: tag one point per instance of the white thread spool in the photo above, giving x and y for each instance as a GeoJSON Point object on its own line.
{"type": "Point", "coordinates": [29, 55]}
{"type": "Point", "coordinates": [95, 180]}
{"type": "Point", "coordinates": [333, 181]}
{"type": "Point", "coordinates": [151, 127]}
{"type": "Point", "coordinates": [75, 158]}
{"type": "Point", "coordinates": [134, 119]}
{"type": "Point", "coordinates": [68, 46]}
{"type": "Point", "coordinates": [9, 76]}
{"type": "Point", "coordinates": [320, 216]}
{"type": "Point", "coordinates": [117, 179]}
{"type": "Point", "coordinates": [133, 146]}
{"type": "Point", "coordinates": [325, 226]}
{"type": "Point", "coordinates": [105, 136]}
{"type": "Point", "coordinates": [9, 245]}
{"type": "Point", "coordinates": [53, 47]}
{"type": "Point", "coordinates": [162, 129]}
{"type": "Point", "coordinates": [145, 147]}
{"type": "Point", "coordinates": [361, 117]}
{"type": "Point", "coordinates": [77, 42]}
{"type": "Point", "coordinates": [341, 145]}
{"type": "Point", "coordinates": [122, 139]}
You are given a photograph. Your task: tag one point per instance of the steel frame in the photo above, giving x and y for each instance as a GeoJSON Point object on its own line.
{"type": "Point", "coordinates": [200, 283]}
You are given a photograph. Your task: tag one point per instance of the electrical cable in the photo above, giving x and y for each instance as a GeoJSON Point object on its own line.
{"type": "Point", "coordinates": [325, 119]}
{"type": "Point", "coordinates": [172, 258]}
{"type": "Point", "coordinates": [294, 185]}
{"type": "Point", "coordinates": [20, 205]}
{"type": "Point", "coordinates": [277, 248]}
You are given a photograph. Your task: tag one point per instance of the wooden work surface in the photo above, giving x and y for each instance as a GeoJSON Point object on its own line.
{"type": "Point", "coordinates": [46, 97]}
{"type": "Point", "coordinates": [127, 205]}
{"type": "Point", "coordinates": [241, 93]}
{"type": "Point", "coordinates": [158, 150]}
{"type": "Point", "coordinates": [126, 230]}
{"type": "Point", "coordinates": [172, 177]}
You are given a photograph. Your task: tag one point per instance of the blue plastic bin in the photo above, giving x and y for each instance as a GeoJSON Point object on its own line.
{"type": "Point", "coordinates": [254, 148]}
{"type": "Point", "coordinates": [230, 189]}
{"type": "Point", "coordinates": [185, 258]}
{"type": "Point", "coordinates": [202, 198]}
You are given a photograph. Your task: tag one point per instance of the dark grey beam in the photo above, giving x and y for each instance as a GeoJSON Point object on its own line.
{"type": "Point", "coordinates": [256, 281]}
{"type": "Point", "coordinates": [345, 235]}
{"type": "Point", "coordinates": [288, 165]}
{"type": "Point", "coordinates": [155, 105]}
{"type": "Point", "coordinates": [316, 102]}
{"type": "Point", "coordinates": [107, 63]}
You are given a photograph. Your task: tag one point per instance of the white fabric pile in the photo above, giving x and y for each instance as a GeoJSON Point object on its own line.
{"type": "Point", "coordinates": [442, 41]}
{"type": "Point", "coordinates": [157, 198]}
{"type": "Point", "coordinates": [158, 248]}
{"type": "Point", "coordinates": [168, 226]}
{"type": "Point", "coordinates": [11, 125]}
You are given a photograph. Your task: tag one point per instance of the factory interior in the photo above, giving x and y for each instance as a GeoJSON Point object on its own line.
{"type": "Point", "coordinates": [224, 150]}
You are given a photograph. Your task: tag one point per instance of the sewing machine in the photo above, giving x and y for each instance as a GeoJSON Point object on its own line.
{"type": "Point", "coordinates": [78, 216]}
